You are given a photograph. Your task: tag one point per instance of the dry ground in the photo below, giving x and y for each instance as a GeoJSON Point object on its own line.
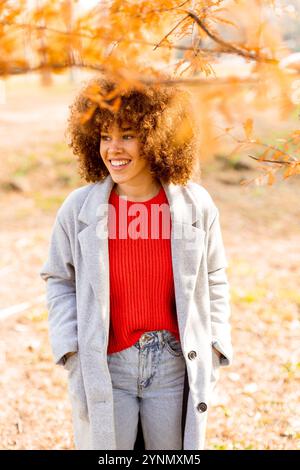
{"type": "Point", "coordinates": [257, 401]}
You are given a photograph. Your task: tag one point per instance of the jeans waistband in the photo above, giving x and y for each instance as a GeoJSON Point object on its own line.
{"type": "Point", "coordinates": [150, 338]}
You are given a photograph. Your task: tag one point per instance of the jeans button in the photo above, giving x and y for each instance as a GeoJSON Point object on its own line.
{"type": "Point", "coordinates": [144, 338]}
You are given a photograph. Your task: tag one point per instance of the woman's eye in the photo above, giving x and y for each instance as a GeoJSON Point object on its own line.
{"type": "Point", "coordinates": [106, 137]}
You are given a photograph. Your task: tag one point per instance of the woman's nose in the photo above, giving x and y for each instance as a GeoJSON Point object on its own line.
{"type": "Point", "coordinates": [115, 144]}
{"type": "Point", "coordinates": [114, 148]}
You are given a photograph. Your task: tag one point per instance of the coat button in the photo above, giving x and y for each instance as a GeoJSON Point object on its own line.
{"type": "Point", "coordinates": [202, 407]}
{"type": "Point", "coordinates": [192, 355]}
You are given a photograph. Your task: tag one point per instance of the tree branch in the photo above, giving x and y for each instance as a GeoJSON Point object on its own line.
{"type": "Point", "coordinates": [281, 162]}
{"type": "Point", "coordinates": [227, 46]}
{"type": "Point", "coordinates": [17, 70]}
{"type": "Point", "coordinates": [170, 32]}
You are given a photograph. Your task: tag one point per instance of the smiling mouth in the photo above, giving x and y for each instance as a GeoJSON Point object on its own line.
{"type": "Point", "coordinates": [119, 164]}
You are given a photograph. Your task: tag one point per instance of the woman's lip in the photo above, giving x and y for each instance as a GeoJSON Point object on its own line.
{"type": "Point", "coordinates": [119, 168]}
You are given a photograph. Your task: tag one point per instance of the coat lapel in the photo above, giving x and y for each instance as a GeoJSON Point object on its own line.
{"type": "Point", "coordinates": [94, 247]}
{"type": "Point", "coordinates": [187, 242]}
{"type": "Point", "coordinates": [187, 239]}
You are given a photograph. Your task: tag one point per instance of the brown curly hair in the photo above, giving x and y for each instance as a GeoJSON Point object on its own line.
{"type": "Point", "coordinates": [162, 116]}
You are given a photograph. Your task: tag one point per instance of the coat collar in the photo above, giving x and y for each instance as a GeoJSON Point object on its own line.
{"type": "Point", "coordinates": [178, 198]}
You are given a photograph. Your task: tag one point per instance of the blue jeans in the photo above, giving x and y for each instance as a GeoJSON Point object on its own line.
{"type": "Point", "coordinates": [148, 378]}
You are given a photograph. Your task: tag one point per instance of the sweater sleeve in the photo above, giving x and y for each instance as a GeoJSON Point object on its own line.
{"type": "Point", "coordinates": [59, 274]}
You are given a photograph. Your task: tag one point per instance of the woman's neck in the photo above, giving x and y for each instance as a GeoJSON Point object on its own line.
{"type": "Point", "coordinates": [138, 194]}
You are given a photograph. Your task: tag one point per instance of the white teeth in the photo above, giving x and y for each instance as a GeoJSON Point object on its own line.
{"type": "Point", "coordinates": [119, 162]}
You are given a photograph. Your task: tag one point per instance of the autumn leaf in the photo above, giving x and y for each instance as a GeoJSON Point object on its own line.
{"type": "Point", "coordinates": [86, 116]}
{"type": "Point", "coordinates": [248, 128]}
{"type": "Point", "coordinates": [288, 172]}
{"type": "Point", "coordinates": [271, 178]}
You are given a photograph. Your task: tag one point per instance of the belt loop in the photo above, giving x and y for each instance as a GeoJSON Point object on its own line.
{"type": "Point", "coordinates": [164, 336]}
{"type": "Point", "coordinates": [161, 337]}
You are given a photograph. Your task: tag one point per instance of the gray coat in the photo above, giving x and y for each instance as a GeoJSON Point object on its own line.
{"type": "Point", "coordinates": [77, 275]}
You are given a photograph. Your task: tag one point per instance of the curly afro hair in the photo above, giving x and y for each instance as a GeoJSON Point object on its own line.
{"type": "Point", "coordinates": [162, 116]}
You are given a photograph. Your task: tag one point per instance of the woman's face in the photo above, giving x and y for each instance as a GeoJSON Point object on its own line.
{"type": "Point", "coordinates": [120, 152]}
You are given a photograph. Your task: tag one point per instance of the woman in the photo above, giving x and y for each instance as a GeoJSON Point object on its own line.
{"type": "Point", "coordinates": [139, 318]}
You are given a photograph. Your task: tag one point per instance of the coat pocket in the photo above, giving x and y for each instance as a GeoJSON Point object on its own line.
{"type": "Point", "coordinates": [215, 369]}
{"type": "Point", "coordinates": [76, 385]}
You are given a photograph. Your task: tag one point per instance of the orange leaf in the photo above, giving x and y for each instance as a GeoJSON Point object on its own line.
{"type": "Point", "coordinates": [271, 178]}
{"type": "Point", "coordinates": [248, 128]}
{"type": "Point", "coordinates": [88, 114]}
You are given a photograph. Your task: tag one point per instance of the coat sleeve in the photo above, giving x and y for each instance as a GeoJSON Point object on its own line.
{"type": "Point", "coordinates": [59, 274]}
{"type": "Point", "coordinates": [219, 292]}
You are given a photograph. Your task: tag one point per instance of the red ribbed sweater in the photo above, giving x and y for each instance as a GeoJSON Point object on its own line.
{"type": "Point", "coordinates": [142, 296]}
